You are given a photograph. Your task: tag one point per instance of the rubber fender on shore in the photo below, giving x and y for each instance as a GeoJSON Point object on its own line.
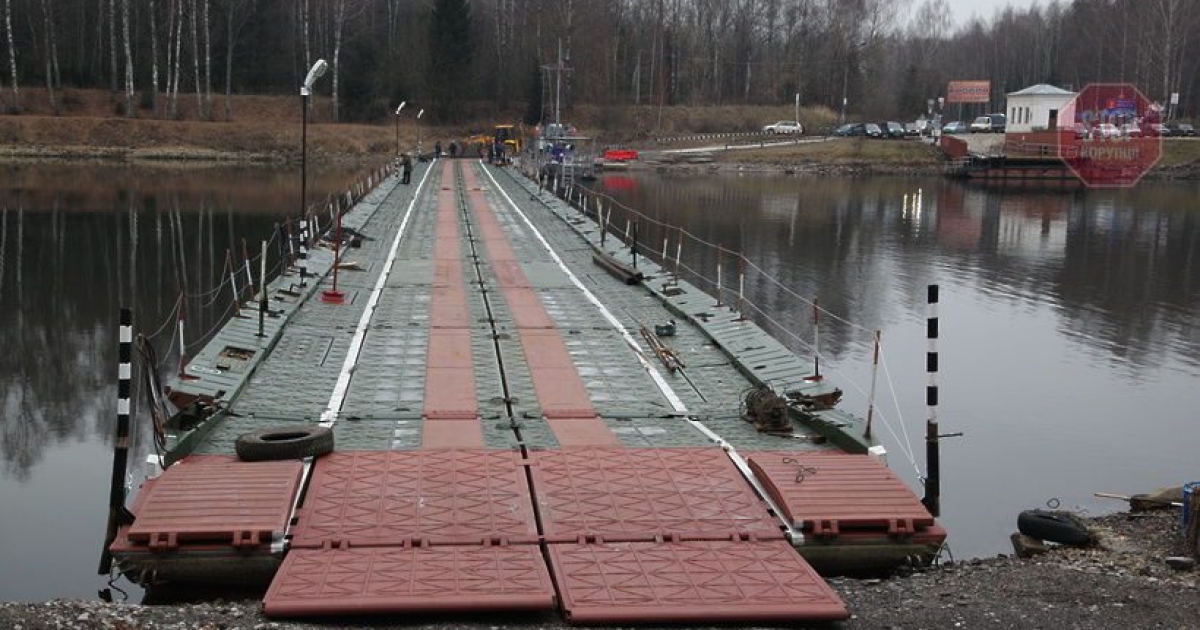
{"type": "Point", "coordinates": [1054, 526]}
{"type": "Point", "coordinates": [283, 443]}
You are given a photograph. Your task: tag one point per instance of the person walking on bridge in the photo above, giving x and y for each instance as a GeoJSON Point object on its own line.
{"type": "Point", "coordinates": [406, 168]}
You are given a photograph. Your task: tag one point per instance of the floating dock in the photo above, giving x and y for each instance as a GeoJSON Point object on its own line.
{"type": "Point", "coordinates": [507, 438]}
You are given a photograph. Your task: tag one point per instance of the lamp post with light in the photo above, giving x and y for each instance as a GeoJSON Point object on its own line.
{"type": "Point", "coordinates": [314, 73]}
{"type": "Point", "coordinates": [419, 132]}
{"type": "Point", "coordinates": [402, 104]}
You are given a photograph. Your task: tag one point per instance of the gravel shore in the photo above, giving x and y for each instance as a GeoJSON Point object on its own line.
{"type": "Point", "coordinates": [1123, 582]}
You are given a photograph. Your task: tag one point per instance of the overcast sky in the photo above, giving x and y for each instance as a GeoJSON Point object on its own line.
{"type": "Point", "coordinates": [964, 9]}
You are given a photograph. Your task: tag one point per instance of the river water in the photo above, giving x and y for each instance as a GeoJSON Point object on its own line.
{"type": "Point", "coordinates": [1068, 357]}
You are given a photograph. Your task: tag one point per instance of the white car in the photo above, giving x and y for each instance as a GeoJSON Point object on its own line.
{"type": "Point", "coordinates": [784, 126]}
{"type": "Point", "coordinates": [1107, 131]}
{"type": "Point", "coordinates": [983, 124]}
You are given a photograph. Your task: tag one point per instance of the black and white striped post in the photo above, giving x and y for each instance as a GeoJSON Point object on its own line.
{"type": "Point", "coordinates": [284, 262]}
{"type": "Point", "coordinates": [633, 245]}
{"type": "Point", "coordinates": [117, 514]}
{"type": "Point", "coordinates": [246, 266]}
{"type": "Point", "coordinates": [720, 262]}
{"type": "Point", "coordinates": [262, 290]}
{"type": "Point", "coordinates": [302, 257]}
{"type": "Point", "coordinates": [816, 310]}
{"type": "Point", "coordinates": [933, 472]}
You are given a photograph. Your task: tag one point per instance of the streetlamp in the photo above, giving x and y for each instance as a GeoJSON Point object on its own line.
{"type": "Point", "coordinates": [402, 104]}
{"type": "Point", "coordinates": [419, 132]}
{"type": "Point", "coordinates": [314, 73]}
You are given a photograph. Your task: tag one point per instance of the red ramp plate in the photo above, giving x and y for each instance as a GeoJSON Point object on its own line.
{"type": "Point", "coordinates": [377, 580]}
{"type": "Point", "coordinates": [690, 582]}
{"type": "Point", "coordinates": [217, 499]}
{"type": "Point", "coordinates": [384, 498]}
{"type": "Point", "coordinates": [831, 493]}
{"type": "Point", "coordinates": [640, 494]}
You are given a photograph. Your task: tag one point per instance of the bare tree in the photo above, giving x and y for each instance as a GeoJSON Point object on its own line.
{"type": "Point", "coordinates": [153, 58]}
{"type": "Point", "coordinates": [231, 31]}
{"type": "Point", "coordinates": [129, 104]}
{"type": "Point", "coordinates": [206, 111]}
{"type": "Point", "coordinates": [46, 28]}
{"type": "Point", "coordinates": [196, 61]}
{"type": "Point", "coordinates": [12, 56]}
{"type": "Point", "coordinates": [112, 44]}
{"type": "Point", "coordinates": [177, 35]}
{"type": "Point", "coordinates": [339, 21]}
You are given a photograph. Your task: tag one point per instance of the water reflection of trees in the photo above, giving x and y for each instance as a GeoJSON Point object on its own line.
{"type": "Point", "coordinates": [64, 271]}
{"type": "Point", "coordinates": [1121, 269]}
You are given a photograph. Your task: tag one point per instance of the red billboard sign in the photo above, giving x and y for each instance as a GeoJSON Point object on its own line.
{"type": "Point", "coordinates": [1112, 138]}
{"type": "Point", "coordinates": [969, 92]}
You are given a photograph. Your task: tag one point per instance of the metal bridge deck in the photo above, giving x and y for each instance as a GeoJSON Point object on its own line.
{"type": "Point", "coordinates": [492, 409]}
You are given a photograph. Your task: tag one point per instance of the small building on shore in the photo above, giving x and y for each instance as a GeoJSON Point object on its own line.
{"type": "Point", "coordinates": [1039, 107]}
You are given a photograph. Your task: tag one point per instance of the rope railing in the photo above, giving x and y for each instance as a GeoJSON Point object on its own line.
{"type": "Point", "coordinates": [237, 273]}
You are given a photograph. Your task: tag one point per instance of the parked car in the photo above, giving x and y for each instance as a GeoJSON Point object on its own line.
{"type": "Point", "coordinates": [1181, 129]}
{"type": "Point", "coordinates": [873, 130]}
{"type": "Point", "coordinates": [955, 126]}
{"type": "Point", "coordinates": [912, 130]}
{"type": "Point", "coordinates": [851, 129]}
{"type": "Point", "coordinates": [999, 123]}
{"type": "Point", "coordinates": [982, 124]}
{"type": "Point", "coordinates": [1082, 131]}
{"type": "Point", "coordinates": [1131, 130]}
{"type": "Point", "coordinates": [892, 129]}
{"type": "Point", "coordinates": [1156, 129]}
{"type": "Point", "coordinates": [784, 126]}
{"type": "Point", "coordinates": [1106, 131]}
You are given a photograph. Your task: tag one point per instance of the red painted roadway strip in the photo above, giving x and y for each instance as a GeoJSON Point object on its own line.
{"type": "Point", "coordinates": [561, 393]}
{"type": "Point", "coordinates": [451, 406]}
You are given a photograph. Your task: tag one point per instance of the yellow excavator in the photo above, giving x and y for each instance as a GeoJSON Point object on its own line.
{"type": "Point", "coordinates": [508, 135]}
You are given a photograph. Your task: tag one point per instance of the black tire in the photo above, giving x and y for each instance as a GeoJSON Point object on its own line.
{"type": "Point", "coordinates": [1059, 527]}
{"type": "Point", "coordinates": [283, 443]}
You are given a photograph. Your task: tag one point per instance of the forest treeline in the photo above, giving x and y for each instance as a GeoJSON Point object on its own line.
{"type": "Point", "coordinates": [874, 57]}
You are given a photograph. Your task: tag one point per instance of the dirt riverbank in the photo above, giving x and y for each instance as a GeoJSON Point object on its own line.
{"type": "Point", "coordinates": [1124, 582]}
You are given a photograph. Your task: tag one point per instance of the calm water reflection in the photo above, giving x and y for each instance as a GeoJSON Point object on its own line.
{"type": "Point", "coordinates": [1068, 355]}
{"type": "Point", "coordinates": [77, 242]}
{"type": "Point", "coordinates": [1068, 352]}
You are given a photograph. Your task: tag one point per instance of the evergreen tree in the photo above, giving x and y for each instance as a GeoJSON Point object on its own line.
{"type": "Point", "coordinates": [450, 52]}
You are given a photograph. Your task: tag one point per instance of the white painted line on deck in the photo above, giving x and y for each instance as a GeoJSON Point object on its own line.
{"type": "Point", "coordinates": [663, 385]}
{"type": "Point", "coordinates": [329, 415]}
{"type": "Point", "coordinates": [676, 403]}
